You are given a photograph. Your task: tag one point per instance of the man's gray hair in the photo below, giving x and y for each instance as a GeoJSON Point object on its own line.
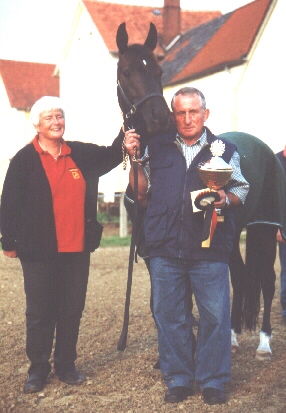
{"type": "Point", "coordinates": [45, 104]}
{"type": "Point", "coordinates": [190, 91]}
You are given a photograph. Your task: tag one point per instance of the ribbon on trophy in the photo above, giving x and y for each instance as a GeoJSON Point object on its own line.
{"type": "Point", "coordinates": [215, 174]}
{"type": "Point", "coordinates": [205, 201]}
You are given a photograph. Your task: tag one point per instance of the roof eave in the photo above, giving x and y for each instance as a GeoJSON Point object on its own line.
{"type": "Point", "coordinates": [207, 72]}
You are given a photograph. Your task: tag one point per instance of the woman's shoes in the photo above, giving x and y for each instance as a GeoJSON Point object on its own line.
{"type": "Point", "coordinates": [35, 383]}
{"type": "Point", "coordinates": [70, 375]}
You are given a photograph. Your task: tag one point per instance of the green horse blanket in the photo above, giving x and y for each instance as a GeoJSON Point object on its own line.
{"type": "Point", "coordinates": [266, 200]}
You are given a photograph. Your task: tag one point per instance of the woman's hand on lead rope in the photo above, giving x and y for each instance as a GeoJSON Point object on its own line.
{"type": "Point", "coordinates": [132, 144]}
{"type": "Point", "coordinates": [131, 141]}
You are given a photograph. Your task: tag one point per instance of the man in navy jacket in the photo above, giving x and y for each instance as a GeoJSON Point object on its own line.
{"type": "Point", "coordinates": [173, 232]}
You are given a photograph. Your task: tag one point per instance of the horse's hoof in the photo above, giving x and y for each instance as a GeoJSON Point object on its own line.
{"type": "Point", "coordinates": [263, 351]}
{"type": "Point", "coordinates": [263, 355]}
{"type": "Point", "coordinates": [234, 343]}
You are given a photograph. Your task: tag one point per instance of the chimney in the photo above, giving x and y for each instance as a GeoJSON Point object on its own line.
{"type": "Point", "coordinates": [171, 21]}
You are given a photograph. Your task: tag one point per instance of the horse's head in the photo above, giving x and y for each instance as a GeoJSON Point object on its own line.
{"type": "Point", "coordinates": [140, 92]}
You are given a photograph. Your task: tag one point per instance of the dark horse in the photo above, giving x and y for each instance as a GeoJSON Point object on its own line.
{"type": "Point", "coordinates": [262, 214]}
{"type": "Point", "coordinates": [140, 96]}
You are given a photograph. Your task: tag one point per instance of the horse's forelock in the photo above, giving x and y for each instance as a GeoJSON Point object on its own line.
{"type": "Point", "coordinates": [139, 50]}
{"type": "Point", "coordinates": [137, 53]}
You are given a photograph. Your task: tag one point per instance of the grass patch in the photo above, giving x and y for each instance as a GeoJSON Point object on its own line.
{"type": "Point", "coordinates": [104, 217]}
{"type": "Point", "coordinates": [115, 241]}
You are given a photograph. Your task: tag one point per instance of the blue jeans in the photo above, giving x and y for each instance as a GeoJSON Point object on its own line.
{"type": "Point", "coordinates": [210, 285]}
{"type": "Point", "coordinates": [282, 256]}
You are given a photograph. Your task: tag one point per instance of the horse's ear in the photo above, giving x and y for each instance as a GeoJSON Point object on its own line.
{"type": "Point", "coordinates": [151, 41]}
{"type": "Point", "coordinates": [122, 38]}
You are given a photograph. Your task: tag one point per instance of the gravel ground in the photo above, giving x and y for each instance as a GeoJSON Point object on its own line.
{"type": "Point", "coordinates": [125, 381]}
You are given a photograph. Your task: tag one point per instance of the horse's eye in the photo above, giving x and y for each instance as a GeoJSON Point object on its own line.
{"type": "Point", "coordinates": [126, 73]}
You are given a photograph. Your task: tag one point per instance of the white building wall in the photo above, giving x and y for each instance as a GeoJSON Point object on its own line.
{"type": "Point", "coordinates": [14, 131]}
{"type": "Point", "coordinates": [88, 88]}
{"type": "Point", "coordinates": [219, 91]}
{"type": "Point", "coordinates": [261, 94]}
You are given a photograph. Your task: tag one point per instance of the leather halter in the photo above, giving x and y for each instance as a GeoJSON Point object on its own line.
{"type": "Point", "coordinates": [133, 107]}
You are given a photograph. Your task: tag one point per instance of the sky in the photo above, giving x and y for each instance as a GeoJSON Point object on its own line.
{"type": "Point", "coordinates": [35, 30]}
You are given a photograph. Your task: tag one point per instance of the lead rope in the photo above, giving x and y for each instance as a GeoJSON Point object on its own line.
{"type": "Point", "coordinates": [124, 154]}
{"type": "Point", "coordinates": [123, 337]}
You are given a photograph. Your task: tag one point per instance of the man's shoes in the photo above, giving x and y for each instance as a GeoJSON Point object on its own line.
{"type": "Point", "coordinates": [70, 375]}
{"type": "Point", "coordinates": [213, 396]}
{"type": "Point", "coordinates": [178, 394]}
{"type": "Point", "coordinates": [35, 383]}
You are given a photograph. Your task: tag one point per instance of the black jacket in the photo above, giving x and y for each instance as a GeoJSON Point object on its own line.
{"type": "Point", "coordinates": [27, 219]}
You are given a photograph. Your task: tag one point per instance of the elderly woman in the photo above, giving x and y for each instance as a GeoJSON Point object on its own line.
{"type": "Point", "coordinates": [48, 220]}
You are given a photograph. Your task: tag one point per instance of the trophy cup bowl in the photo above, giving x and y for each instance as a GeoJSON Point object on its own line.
{"type": "Point", "coordinates": [215, 174]}
{"type": "Point", "coordinates": [215, 179]}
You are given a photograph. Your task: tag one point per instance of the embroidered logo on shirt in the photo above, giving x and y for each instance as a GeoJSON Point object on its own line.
{"type": "Point", "coordinates": [75, 173]}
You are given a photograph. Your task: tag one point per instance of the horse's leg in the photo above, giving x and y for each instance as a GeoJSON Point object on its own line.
{"type": "Point", "coordinates": [282, 258]}
{"type": "Point", "coordinates": [268, 255]}
{"type": "Point", "coordinates": [267, 235]}
{"type": "Point", "coordinates": [237, 275]}
{"type": "Point", "coordinates": [251, 304]}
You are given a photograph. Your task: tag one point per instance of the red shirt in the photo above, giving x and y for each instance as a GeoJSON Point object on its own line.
{"type": "Point", "coordinates": [68, 191]}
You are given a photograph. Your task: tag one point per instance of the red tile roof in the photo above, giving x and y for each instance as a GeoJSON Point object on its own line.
{"type": "Point", "coordinates": [108, 16]}
{"type": "Point", "coordinates": [26, 82]}
{"type": "Point", "coordinates": [228, 45]}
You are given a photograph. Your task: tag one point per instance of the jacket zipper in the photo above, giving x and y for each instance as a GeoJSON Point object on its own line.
{"type": "Point", "coordinates": [182, 212]}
